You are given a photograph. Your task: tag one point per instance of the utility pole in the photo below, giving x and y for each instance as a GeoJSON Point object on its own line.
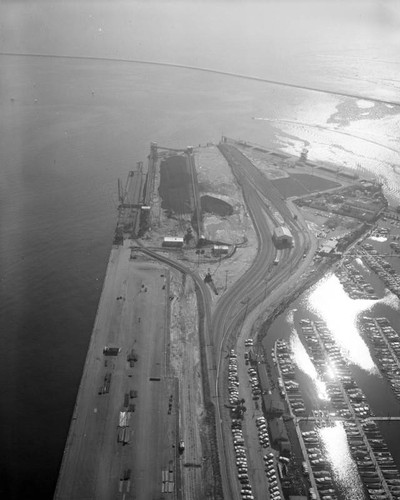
{"type": "Point", "coordinates": [119, 192]}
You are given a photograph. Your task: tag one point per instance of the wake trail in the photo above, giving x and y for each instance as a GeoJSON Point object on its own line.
{"type": "Point", "coordinates": [210, 70]}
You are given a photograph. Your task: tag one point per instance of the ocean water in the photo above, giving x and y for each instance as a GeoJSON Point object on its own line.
{"type": "Point", "coordinates": [70, 127]}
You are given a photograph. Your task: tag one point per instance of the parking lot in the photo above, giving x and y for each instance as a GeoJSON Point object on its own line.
{"type": "Point", "coordinates": [256, 461]}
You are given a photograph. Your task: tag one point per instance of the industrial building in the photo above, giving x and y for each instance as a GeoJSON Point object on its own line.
{"type": "Point", "coordinates": [328, 247]}
{"type": "Point", "coordinates": [282, 237]}
{"type": "Point", "coordinates": [172, 242]}
{"type": "Point", "coordinates": [279, 435]}
{"type": "Point", "coordinates": [218, 250]}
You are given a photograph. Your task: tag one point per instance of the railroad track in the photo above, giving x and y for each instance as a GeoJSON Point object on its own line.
{"type": "Point", "coordinates": [259, 281]}
{"type": "Point", "coordinates": [229, 312]}
{"type": "Point", "coordinates": [203, 301]}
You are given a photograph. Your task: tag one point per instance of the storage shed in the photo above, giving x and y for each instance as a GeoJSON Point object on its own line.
{"type": "Point", "coordinates": [172, 242]}
{"type": "Point", "coordinates": [218, 250]}
{"type": "Point", "coordinates": [279, 435]}
{"type": "Point", "coordinates": [282, 237]}
{"type": "Point", "coordinates": [328, 247]}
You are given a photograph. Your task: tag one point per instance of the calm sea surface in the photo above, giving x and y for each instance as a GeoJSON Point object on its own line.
{"type": "Point", "coordinates": [69, 128]}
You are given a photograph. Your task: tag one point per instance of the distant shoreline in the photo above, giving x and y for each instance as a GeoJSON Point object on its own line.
{"type": "Point", "coordinates": [209, 70]}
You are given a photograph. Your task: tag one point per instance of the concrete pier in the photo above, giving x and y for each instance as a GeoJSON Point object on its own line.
{"type": "Point", "coordinates": [123, 434]}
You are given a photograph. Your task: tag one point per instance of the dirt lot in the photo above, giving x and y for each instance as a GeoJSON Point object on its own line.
{"type": "Point", "coordinates": [215, 180]}
{"type": "Point", "coordinates": [185, 366]}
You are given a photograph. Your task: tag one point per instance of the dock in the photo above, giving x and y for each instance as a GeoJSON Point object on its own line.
{"type": "Point", "coordinates": [357, 425]}
{"type": "Point", "coordinates": [297, 421]}
{"type": "Point", "coordinates": [125, 423]}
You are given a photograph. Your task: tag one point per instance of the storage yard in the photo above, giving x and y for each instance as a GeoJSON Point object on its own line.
{"type": "Point", "coordinates": [123, 430]}
{"type": "Point", "coordinates": [177, 398]}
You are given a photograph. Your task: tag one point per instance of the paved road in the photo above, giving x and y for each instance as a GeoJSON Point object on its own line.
{"type": "Point", "coordinates": [261, 281]}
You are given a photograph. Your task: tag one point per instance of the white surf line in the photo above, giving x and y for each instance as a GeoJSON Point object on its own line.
{"type": "Point", "coordinates": [321, 127]}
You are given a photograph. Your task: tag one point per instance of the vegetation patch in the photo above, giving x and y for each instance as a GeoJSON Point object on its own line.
{"type": "Point", "coordinates": [302, 184]}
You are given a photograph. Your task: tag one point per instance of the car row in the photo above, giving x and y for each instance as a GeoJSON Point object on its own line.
{"type": "Point", "coordinates": [237, 432]}
{"type": "Point", "coordinates": [241, 460]}
{"type": "Point", "coordinates": [263, 432]}
{"type": "Point", "coordinates": [286, 384]}
{"type": "Point", "coordinates": [255, 383]}
{"type": "Point", "coordinates": [270, 470]}
{"type": "Point", "coordinates": [233, 379]}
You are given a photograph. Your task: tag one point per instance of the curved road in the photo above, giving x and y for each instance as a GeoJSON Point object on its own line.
{"type": "Point", "coordinates": [257, 283]}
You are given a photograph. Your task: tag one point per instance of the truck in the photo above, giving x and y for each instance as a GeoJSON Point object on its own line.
{"type": "Point", "coordinates": [278, 257]}
{"type": "Point", "coordinates": [181, 447]}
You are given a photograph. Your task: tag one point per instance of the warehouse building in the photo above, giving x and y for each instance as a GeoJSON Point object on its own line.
{"type": "Point", "coordinates": [172, 242]}
{"type": "Point", "coordinates": [328, 247]}
{"type": "Point", "coordinates": [218, 250]}
{"type": "Point", "coordinates": [282, 237]}
{"type": "Point", "coordinates": [279, 435]}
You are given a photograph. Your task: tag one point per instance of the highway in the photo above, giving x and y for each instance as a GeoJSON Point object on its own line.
{"type": "Point", "coordinates": [262, 280]}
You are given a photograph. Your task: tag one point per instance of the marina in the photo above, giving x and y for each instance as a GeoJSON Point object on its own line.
{"type": "Point", "coordinates": [383, 269]}
{"type": "Point", "coordinates": [355, 285]}
{"type": "Point", "coordinates": [338, 405]}
{"type": "Point", "coordinates": [346, 406]}
{"type": "Point", "coordinates": [386, 343]}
